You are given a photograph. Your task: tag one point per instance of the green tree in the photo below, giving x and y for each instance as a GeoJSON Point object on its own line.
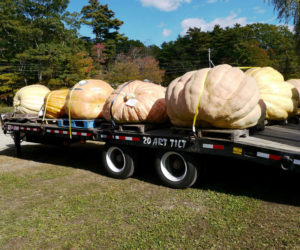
{"type": "Point", "coordinates": [104, 25]}
{"type": "Point", "coordinates": [251, 45]}
{"type": "Point", "coordinates": [279, 45]}
{"type": "Point", "coordinates": [289, 10]}
{"type": "Point", "coordinates": [38, 43]}
{"type": "Point", "coordinates": [12, 41]}
{"type": "Point", "coordinates": [129, 67]}
{"type": "Point", "coordinates": [126, 45]}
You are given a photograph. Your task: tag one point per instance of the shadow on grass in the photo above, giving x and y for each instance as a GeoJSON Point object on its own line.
{"type": "Point", "coordinates": [235, 177]}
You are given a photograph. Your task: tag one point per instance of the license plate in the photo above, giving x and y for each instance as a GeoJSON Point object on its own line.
{"type": "Point", "coordinates": [12, 127]}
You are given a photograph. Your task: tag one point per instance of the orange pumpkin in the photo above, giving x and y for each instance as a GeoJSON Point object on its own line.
{"type": "Point", "coordinates": [86, 99]}
{"type": "Point", "coordinates": [55, 103]}
{"type": "Point", "coordinates": [137, 102]}
{"type": "Point", "coordinates": [222, 96]}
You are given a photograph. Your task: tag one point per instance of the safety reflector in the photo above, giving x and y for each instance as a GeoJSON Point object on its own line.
{"type": "Point", "coordinates": [213, 146]}
{"type": "Point", "coordinates": [269, 156]}
{"type": "Point", "coordinates": [30, 129]}
{"type": "Point", "coordinates": [297, 162]}
{"type": "Point", "coordinates": [64, 132]}
{"type": "Point", "coordinates": [120, 137]}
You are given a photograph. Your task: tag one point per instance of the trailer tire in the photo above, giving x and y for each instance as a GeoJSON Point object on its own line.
{"type": "Point", "coordinates": [176, 170]}
{"type": "Point", "coordinates": [118, 162]}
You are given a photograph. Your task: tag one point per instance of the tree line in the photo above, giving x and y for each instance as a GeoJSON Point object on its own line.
{"type": "Point", "coordinates": [40, 43]}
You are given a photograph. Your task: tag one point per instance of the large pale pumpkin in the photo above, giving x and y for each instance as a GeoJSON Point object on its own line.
{"type": "Point", "coordinates": [281, 97]}
{"type": "Point", "coordinates": [137, 102]}
{"type": "Point", "coordinates": [225, 96]}
{"type": "Point", "coordinates": [55, 103]}
{"type": "Point", "coordinates": [296, 83]}
{"type": "Point", "coordinates": [86, 99]}
{"type": "Point", "coordinates": [30, 99]}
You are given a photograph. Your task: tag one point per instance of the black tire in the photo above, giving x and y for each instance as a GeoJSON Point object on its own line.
{"type": "Point", "coordinates": [176, 170]}
{"type": "Point", "coordinates": [118, 162]}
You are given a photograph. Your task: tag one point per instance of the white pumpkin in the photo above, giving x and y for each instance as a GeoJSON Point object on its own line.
{"type": "Point", "coordinates": [224, 97]}
{"type": "Point", "coordinates": [30, 99]}
{"type": "Point", "coordinates": [281, 97]}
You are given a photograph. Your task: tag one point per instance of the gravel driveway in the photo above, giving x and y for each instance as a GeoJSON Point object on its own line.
{"type": "Point", "coordinates": [6, 141]}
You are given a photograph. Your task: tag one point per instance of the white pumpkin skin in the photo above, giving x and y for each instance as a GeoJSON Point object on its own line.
{"type": "Point", "coordinates": [30, 99]}
{"type": "Point", "coordinates": [230, 99]}
{"type": "Point", "coordinates": [281, 97]}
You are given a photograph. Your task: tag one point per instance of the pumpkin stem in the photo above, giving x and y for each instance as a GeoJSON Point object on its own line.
{"type": "Point", "coordinates": [129, 96]}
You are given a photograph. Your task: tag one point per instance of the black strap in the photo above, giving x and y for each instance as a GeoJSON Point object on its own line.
{"type": "Point", "coordinates": [74, 89]}
{"type": "Point", "coordinates": [113, 123]}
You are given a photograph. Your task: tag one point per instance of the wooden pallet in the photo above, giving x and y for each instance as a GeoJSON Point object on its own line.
{"type": "Point", "coordinates": [47, 121]}
{"type": "Point", "coordinates": [227, 134]}
{"type": "Point", "coordinates": [12, 117]}
{"type": "Point", "coordinates": [224, 134]}
{"type": "Point", "coordinates": [138, 128]}
{"type": "Point", "coordinates": [182, 130]}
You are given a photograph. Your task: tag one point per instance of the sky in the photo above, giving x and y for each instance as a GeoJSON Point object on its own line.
{"type": "Point", "coordinates": [158, 21]}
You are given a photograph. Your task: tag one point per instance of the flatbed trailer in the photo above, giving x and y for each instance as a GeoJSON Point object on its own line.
{"type": "Point", "coordinates": [180, 153]}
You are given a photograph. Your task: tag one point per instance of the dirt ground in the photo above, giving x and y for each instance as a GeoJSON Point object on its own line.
{"type": "Point", "coordinates": [6, 141]}
{"type": "Point", "coordinates": [7, 144]}
{"type": "Point", "coordinates": [55, 197]}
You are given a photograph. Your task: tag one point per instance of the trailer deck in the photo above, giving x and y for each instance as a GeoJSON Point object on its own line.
{"type": "Point", "coordinates": [176, 148]}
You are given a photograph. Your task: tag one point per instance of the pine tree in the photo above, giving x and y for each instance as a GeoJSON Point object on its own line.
{"type": "Point", "coordinates": [104, 25]}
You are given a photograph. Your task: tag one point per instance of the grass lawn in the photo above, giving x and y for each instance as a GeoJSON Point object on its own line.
{"type": "Point", "coordinates": [61, 198]}
{"type": "Point", "coordinates": [5, 109]}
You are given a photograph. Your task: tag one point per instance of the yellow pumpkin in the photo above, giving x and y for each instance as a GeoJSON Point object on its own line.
{"type": "Point", "coordinates": [30, 99]}
{"type": "Point", "coordinates": [281, 97]}
{"type": "Point", "coordinates": [223, 96]}
{"type": "Point", "coordinates": [137, 102]}
{"type": "Point", "coordinates": [86, 99]}
{"type": "Point", "coordinates": [55, 103]}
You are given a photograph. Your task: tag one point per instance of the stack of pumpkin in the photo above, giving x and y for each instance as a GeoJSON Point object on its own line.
{"type": "Point", "coordinates": [90, 99]}
{"type": "Point", "coordinates": [223, 97]}
{"type": "Point", "coordinates": [84, 101]}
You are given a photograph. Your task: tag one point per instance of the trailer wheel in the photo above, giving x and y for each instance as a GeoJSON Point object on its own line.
{"type": "Point", "coordinates": [176, 170]}
{"type": "Point", "coordinates": [118, 162]}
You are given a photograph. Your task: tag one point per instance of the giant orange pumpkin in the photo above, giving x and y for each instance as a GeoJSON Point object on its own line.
{"type": "Point", "coordinates": [280, 97]}
{"type": "Point", "coordinates": [86, 99]}
{"type": "Point", "coordinates": [55, 103]}
{"type": "Point", "coordinates": [135, 102]}
{"type": "Point", "coordinates": [223, 96]}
